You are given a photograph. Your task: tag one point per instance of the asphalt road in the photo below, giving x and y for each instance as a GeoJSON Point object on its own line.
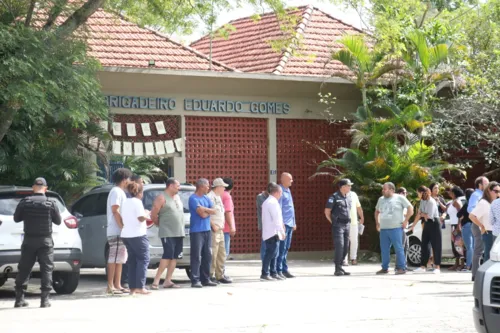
{"type": "Point", "coordinates": [315, 301]}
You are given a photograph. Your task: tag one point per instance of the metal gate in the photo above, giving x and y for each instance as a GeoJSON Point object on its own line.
{"type": "Point", "coordinates": [236, 148]}
{"type": "Point", "coordinates": [296, 155]}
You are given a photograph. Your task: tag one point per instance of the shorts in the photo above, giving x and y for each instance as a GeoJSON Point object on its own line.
{"type": "Point", "coordinates": [172, 247]}
{"type": "Point", "coordinates": [117, 251]}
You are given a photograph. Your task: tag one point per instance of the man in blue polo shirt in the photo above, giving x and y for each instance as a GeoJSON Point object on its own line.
{"type": "Point", "coordinates": [201, 207]}
{"type": "Point", "coordinates": [480, 185]}
{"type": "Point", "coordinates": [288, 212]}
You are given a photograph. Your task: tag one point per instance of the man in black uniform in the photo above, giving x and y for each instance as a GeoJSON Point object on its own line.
{"type": "Point", "coordinates": [38, 214]}
{"type": "Point", "coordinates": [337, 212]}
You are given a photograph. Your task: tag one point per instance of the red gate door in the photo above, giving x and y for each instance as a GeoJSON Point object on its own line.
{"type": "Point", "coordinates": [236, 148]}
{"type": "Point", "coordinates": [297, 156]}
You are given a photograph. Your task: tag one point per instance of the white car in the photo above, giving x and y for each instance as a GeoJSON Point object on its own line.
{"type": "Point", "coordinates": [486, 311]}
{"type": "Point", "coordinates": [67, 242]}
{"type": "Point", "coordinates": [414, 253]}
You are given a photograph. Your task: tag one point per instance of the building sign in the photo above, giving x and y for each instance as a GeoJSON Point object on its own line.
{"type": "Point", "coordinates": [153, 103]}
{"type": "Point", "coordinates": [208, 105]}
{"type": "Point", "coordinates": [191, 104]}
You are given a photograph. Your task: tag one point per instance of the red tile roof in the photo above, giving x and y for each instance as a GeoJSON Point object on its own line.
{"type": "Point", "coordinates": [248, 48]}
{"type": "Point", "coordinates": [116, 42]}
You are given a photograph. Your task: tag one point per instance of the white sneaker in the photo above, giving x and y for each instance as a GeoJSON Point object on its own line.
{"type": "Point", "coordinates": [436, 271]}
{"type": "Point", "coordinates": [420, 270]}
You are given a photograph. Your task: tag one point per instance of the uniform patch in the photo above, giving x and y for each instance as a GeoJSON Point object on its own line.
{"type": "Point", "coordinates": [330, 200]}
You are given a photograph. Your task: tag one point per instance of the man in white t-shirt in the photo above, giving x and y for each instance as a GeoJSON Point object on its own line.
{"type": "Point", "coordinates": [355, 212]}
{"type": "Point", "coordinates": [117, 254]}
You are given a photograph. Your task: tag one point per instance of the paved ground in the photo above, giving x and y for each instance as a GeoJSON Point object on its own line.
{"type": "Point", "coordinates": [315, 301]}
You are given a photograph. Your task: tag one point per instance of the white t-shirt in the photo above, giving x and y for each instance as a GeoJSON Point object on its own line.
{"type": "Point", "coordinates": [482, 212]}
{"type": "Point", "coordinates": [131, 211]}
{"type": "Point", "coordinates": [354, 207]}
{"type": "Point", "coordinates": [116, 197]}
{"type": "Point", "coordinates": [218, 217]}
{"type": "Point", "coordinates": [452, 211]}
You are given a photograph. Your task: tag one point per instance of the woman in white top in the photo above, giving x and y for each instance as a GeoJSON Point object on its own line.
{"type": "Point", "coordinates": [457, 201]}
{"type": "Point", "coordinates": [134, 235]}
{"type": "Point", "coordinates": [480, 216]}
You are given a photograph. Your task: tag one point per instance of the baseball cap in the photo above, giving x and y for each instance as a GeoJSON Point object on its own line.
{"type": "Point", "coordinates": [219, 182]}
{"type": "Point", "coordinates": [40, 182]}
{"type": "Point", "coordinates": [344, 182]}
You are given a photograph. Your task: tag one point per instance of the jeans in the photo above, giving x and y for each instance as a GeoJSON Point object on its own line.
{"type": "Point", "coordinates": [33, 249]}
{"type": "Point", "coordinates": [340, 232]}
{"type": "Point", "coordinates": [392, 237]}
{"type": "Point", "coordinates": [201, 256]}
{"type": "Point", "coordinates": [488, 244]}
{"type": "Point", "coordinates": [124, 279]}
{"type": "Point", "coordinates": [284, 246]}
{"type": "Point", "coordinates": [138, 260]}
{"type": "Point", "coordinates": [227, 242]}
{"type": "Point", "coordinates": [432, 234]}
{"type": "Point", "coordinates": [269, 261]}
{"type": "Point", "coordinates": [469, 243]}
{"type": "Point", "coordinates": [262, 250]}
{"type": "Point", "coordinates": [478, 249]}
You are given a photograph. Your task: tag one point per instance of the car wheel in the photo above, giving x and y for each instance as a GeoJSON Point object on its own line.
{"type": "Point", "coordinates": [414, 252]}
{"type": "Point", "coordinates": [188, 272]}
{"type": "Point", "coordinates": [66, 283]}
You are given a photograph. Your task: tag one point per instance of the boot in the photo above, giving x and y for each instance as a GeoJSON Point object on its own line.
{"type": "Point", "coordinates": [20, 302]}
{"type": "Point", "coordinates": [454, 267]}
{"type": "Point", "coordinates": [45, 300]}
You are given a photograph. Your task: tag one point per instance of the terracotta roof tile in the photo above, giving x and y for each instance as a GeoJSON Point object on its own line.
{"type": "Point", "coordinates": [116, 42]}
{"type": "Point", "coordinates": [248, 48]}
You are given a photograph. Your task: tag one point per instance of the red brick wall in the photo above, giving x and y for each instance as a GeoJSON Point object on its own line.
{"type": "Point", "coordinates": [300, 159]}
{"type": "Point", "coordinates": [236, 148]}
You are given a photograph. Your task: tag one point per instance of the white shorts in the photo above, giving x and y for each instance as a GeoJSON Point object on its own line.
{"type": "Point", "coordinates": [117, 250]}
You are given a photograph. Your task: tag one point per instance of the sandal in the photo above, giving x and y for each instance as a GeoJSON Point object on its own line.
{"type": "Point", "coordinates": [155, 287]}
{"type": "Point", "coordinates": [125, 291]}
{"type": "Point", "coordinates": [173, 285]}
{"type": "Point", "coordinates": [113, 292]}
{"type": "Point", "coordinates": [142, 292]}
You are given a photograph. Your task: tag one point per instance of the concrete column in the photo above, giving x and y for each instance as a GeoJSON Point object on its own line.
{"type": "Point", "coordinates": [272, 149]}
{"type": "Point", "coordinates": [179, 163]}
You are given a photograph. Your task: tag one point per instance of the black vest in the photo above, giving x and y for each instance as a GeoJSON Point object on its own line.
{"type": "Point", "coordinates": [37, 218]}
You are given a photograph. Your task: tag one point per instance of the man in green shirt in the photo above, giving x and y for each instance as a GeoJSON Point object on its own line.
{"type": "Point", "coordinates": [168, 214]}
{"type": "Point", "coordinates": [391, 220]}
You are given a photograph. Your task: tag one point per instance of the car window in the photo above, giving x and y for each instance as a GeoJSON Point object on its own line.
{"type": "Point", "coordinates": [150, 195]}
{"type": "Point", "coordinates": [102, 203]}
{"type": "Point", "coordinates": [86, 206]}
{"type": "Point", "coordinates": [9, 202]}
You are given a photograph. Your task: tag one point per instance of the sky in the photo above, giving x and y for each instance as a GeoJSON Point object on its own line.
{"type": "Point", "coordinates": [348, 16]}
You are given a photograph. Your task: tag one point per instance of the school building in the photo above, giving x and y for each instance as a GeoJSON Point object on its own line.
{"type": "Point", "coordinates": [251, 113]}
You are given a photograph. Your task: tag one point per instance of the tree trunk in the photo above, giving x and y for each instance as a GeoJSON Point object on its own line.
{"type": "Point", "coordinates": [54, 13]}
{"type": "Point", "coordinates": [7, 118]}
{"type": "Point", "coordinates": [79, 17]}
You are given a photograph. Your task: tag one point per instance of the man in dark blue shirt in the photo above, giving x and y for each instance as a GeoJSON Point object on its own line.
{"type": "Point", "coordinates": [337, 212]}
{"type": "Point", "coordinates": [201, 207]}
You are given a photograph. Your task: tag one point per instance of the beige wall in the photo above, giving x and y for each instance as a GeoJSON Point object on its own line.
{"type": "Point", "coordinates": [302, 96]}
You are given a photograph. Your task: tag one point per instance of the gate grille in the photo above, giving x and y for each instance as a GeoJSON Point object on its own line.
{"type": "Point", "coordinates": [236, 148]}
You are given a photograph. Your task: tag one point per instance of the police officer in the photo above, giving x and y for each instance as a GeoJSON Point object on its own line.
{"type": "Point", "coordinates": [337, 212]}
{"type": "Point", "coordinates": [38, 214]}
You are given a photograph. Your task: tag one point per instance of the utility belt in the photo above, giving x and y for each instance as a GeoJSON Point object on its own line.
{"type": "Point", "coordinates": [341, 220]}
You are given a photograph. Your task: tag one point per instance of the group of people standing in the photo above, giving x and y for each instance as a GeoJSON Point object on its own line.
{"type": "Point", "coordinates": [211, 226]}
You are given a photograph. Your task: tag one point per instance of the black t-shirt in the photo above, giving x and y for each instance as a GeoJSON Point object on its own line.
{"type": "Point", "coordinates": [340, 206]}
{"type": "Point", "coordinates": [463, 212]}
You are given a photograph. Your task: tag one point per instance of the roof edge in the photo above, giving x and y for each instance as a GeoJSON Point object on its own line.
{"type": "Point", "coordinates": [306, 15]}
{"type": "Point", "coordinates": [227, 75]}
